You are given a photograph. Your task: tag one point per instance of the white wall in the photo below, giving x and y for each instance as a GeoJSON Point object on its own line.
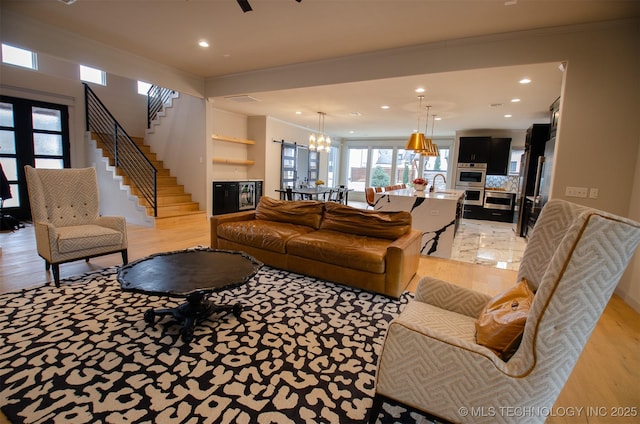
{"type": "Point", "coordinates": [179, 140]}
{"type": "Point", "coordinates": [629, 286]}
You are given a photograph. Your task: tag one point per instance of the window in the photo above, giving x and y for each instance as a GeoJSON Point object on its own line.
{"type": "Point", "coordinates": [143, 87]}
{"type": "Point", "coordinates": [381, 167]}
{"type": "Point", "coordinates": [93, 75]}
{"type": "Point", "coordinates": [333, 166]}
{"type": "Point", "coordinates": [437, 165]}
{"type": "Point", "coordinates": [514, 162]}
{"type": "Point", "coordinates": [19, 57]}
{"type": "Point", "coordinates": [357, 172]}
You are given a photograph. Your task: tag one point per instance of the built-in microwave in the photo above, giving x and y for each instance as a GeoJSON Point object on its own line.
{"type": "Point", "coordinates": [471, 174]}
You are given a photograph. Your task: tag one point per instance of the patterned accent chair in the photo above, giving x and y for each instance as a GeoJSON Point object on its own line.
{"type": "Point", "coordinates": [430, 359]}
{"type": "Point", "coordinates": [65, 208]}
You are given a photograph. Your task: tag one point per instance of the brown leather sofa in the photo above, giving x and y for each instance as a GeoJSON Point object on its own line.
{"type": "Point", "coordinates": [371, 250]}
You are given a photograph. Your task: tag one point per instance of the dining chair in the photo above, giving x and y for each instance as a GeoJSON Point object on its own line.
{"type": "Point", "coordinates": [370, 196]}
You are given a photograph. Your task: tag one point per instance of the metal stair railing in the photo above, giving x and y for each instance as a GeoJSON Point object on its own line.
{"type": "Point", "coordinates": [125, 152]}
{"type": "Point", "coordinates": [157, 97]}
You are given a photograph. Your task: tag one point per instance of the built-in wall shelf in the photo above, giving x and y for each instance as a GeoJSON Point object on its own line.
{"type": "Point", "coordinates": [233, 161]}
{"type": "Point", "coordinates": [232, 139]}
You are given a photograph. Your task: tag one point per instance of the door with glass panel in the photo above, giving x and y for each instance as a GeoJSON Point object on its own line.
{"type": "Point", "coordinates": [31, 133]}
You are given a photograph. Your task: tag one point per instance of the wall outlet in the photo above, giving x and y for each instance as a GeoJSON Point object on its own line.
{"type": "Point", "coordinates": [575, 192]}
{"type": "Point", "coordinates": [593, 193]}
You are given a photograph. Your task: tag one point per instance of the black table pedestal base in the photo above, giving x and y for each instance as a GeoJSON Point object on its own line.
{"type": "Point", "coordinates": [195, 310]}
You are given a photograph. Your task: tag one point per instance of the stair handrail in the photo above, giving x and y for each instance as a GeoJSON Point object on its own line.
{"type": "Point", "coordinates": [157, 97]}
{"type": "Point", "coordinates": [125, 152]}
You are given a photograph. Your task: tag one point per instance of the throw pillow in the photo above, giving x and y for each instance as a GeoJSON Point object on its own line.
{"type": "Point", "coordinates": [501, 324]}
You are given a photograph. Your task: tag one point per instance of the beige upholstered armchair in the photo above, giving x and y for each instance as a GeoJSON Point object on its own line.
{"type": "Point", "coordinates": [430, 359]}
{"type": "Point", "coordinates": [65, 207]}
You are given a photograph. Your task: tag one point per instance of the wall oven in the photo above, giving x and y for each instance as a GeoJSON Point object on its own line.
{"type": "Point", "coordinates": [471, 174]}
{"type": "Point", "coordinates": [470, 177]}
{"type": "Point", "coordinates": [472, 195]}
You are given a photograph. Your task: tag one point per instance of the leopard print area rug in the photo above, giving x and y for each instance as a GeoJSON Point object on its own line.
{"type": "Point", "coordinates": [302, 351]}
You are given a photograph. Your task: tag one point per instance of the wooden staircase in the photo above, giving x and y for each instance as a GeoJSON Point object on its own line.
{"type": "Point", "coordinates": [174, 204]}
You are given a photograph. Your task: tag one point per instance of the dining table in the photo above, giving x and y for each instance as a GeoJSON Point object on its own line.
{"type": "Point", "coordinates": [313, 193]}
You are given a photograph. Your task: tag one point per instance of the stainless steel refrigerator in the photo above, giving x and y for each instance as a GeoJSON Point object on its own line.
{"type": "Point", "coordinates": [531, 172]}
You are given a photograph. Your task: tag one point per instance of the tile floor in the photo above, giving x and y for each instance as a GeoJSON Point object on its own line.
{"type": "Point", "coordinates": [489, 243]}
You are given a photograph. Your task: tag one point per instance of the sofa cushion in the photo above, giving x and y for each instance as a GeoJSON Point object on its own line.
{"type": "Point", "coordinates": [268, 235]}
{"type": "Point", "coordinates": [346, 219]}
{"type": "Point", "coordinates": [342, 249]}
{"type": "Point", "coordinates": [302, 212]}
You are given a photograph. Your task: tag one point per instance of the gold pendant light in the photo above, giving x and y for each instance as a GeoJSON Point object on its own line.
{"type": "Point", "coordinates": [430, 149]}
{"type": "Point", "coordinates": [416, 140]}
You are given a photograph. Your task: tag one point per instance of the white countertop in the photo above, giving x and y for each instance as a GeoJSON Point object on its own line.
{"type": "Point", "coordinates": [439, 194]}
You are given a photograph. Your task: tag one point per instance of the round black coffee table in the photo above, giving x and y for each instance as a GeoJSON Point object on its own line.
{"type": "Point", "coordinates": [192, 274]}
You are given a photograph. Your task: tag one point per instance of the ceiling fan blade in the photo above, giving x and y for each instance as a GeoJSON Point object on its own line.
{"type": "Point", "coordinates": [244, 4]}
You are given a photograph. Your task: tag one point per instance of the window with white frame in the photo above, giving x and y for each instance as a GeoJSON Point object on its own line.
{"type": "Point", "coordinates": [19, 57]}
{"type": "Point", "coordinates": [143, 87]}
{"type": "Point", "coordinates": [96, 76]}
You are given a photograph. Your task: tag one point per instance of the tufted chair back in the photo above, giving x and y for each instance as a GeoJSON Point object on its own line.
{"type": "Point", "coordinates": [64, 197]}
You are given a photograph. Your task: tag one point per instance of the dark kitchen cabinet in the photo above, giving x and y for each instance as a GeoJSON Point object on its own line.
{"type": "Point", "coordinates": [499, 155]}
{"type": "Point", "coordinates": [474, 149]}
{"type": "Point", "coordinates": [494, 151]}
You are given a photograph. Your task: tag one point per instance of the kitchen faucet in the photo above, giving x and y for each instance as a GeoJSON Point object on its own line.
{"type": "Point", "coordinates": [444, 180]}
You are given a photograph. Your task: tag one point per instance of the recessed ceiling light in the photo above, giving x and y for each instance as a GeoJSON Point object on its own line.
{"type": "Point", "coordinates": [515, 100]}
{"type": "Point", "coordinates": [203, 43]}
{"type": "Point", "coordinates": [437, 118]}
{"type": "Point", "coordinates": [508, 116]}
{"type": "Point", "coordinates": [355, 114]}
{"type": "Point", "coordinates": [352, 132]}
{"type": "Point", "coordinates": [384, 107]}
{"type": "Point", "coordinates": [298, 112]}
{"type": "Point", "coordinates": [420, 90]}
{"type": "Point", "coordinates": [496, 105]}
{"type": "Point", "coordinates": [525, 81]}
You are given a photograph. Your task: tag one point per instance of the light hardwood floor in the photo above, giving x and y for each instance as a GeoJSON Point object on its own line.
{"type": "Point", "coordinates": [607, 374]}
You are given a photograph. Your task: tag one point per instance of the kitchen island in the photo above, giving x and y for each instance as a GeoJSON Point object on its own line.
{"type": "Point", "coordinates": [435, 214]}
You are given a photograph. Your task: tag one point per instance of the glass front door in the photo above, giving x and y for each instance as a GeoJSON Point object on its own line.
{"type": "Point", "coordinates": [31, 133]}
